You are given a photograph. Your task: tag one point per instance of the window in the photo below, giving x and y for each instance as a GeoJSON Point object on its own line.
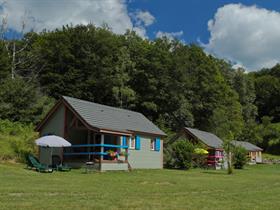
{"type": "Point", "coordinates": [131, 143]}
{"type": "Point", "coordinates": [153, 143]}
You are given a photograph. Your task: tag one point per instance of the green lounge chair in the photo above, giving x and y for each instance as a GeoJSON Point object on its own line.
{"type": "Point", "coordinates": [34, 163]}
{"type": "Point", "coordinates": [62, 167]}
{"type": "Point", "coordinates": [58, 165]}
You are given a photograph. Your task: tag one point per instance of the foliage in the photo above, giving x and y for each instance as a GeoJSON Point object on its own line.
{"type": "Point", "coordinates": [270, 135]}
{"type": "Point", "coordinates": [240, 157]}
{"type": "Point", "coordinates": [16, 140]}
{"type": "Point", "coordinates": [244, 85]}
{"type": "Point", "coordinates": [270, 157]}
{"type": "Point", "coordinates": [4, 63]}
{"type": "Point", "coordinates": [182, 151]}
{"type": "Point", "coordinates": [21, 101]}
{"type": "Point", "coordinates": [251, 132]}
{"type": "Point", "coordinates": [176, 83]}
{"type": "Point", "coordinates": [229, 149]}
{"type": "Point", "coordinates": [267, 84]}
{"type": "Point", "coordinates": [172, 83]}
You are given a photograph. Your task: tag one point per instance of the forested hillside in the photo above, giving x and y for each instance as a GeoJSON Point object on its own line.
{"type": "Point", "coordinates": [172, 83]}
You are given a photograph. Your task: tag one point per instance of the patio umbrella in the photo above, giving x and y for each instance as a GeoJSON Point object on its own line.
{"type": "Point", "coordinates": [52, 141]}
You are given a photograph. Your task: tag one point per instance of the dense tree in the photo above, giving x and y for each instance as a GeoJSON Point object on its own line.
{"type": "Point", "coordinates": [172, 83]}
{"type": "Point", "coordinates": [268, 96]}
{"type": "Point", "coordinates": [267, 83]}
{"type": "Point", "coordinates": [244, 85]}
{"type": "Point", "coordinates": [21, 101]}
{"type": "Point", "coordinates": [4, 63]}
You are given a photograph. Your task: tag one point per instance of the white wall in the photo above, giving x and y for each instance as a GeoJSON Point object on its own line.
{"type": "Point", "coordinates": [145, 157]}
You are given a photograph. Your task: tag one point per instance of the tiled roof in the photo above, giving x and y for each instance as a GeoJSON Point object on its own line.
{"type": "Point", "coordinates": [207, 138]}
{"type": "Point", "coordinates": [107, 117]}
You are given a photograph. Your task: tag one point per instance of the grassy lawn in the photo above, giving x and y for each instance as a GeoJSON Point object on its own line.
{"type": "Point", "coordinates": [256, 187]}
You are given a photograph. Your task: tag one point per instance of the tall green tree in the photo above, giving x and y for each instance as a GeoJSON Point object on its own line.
{"type": "Point", "coordinates": [21, 101]}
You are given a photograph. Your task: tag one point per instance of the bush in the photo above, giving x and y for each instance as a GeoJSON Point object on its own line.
{"type": "Point", "coordinates": [168, 157]}
{"type": "Point", "coordinates": [16, 140]}
{"type": "Point", "coordinates": [240, 157]}
{"type": "Point", "coordinates": [182, 151]}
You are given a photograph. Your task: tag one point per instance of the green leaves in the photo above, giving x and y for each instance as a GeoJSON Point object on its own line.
{"type": "Point", "coordinates": [240, 157]}
{"type": "Point", "coordinates": [172, 83]}
{"type": "Point", "coordinates": [21, 101]}
{"type": "Point", "coordinates": [182, 153]}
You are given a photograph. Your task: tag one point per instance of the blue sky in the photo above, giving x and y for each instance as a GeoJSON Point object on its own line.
{"type": "Point", "coordinates": [189, 16]}
{"type": "Point", "coordinates": [244, 32]}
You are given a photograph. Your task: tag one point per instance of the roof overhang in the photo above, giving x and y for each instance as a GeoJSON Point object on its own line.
{"type": "Point", "coordinates": [62, 101]}
{"type": "Point", "coordinates": [149, 134]}
{"type": "Point", "coordinates": [195, 137]}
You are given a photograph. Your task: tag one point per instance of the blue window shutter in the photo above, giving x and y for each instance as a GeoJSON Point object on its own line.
{"type": "Point", "coordinates": [157, 147]}
{"type": "Point", "coordinates": [124, 143]}
{"type": "Point", "coordinates": [137, 143]}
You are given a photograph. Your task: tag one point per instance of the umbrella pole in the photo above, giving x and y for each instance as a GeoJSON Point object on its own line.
{"type": "Point", "coordinates": [51, 154]}
{"type": "Point", "coordinates": [61, 155]}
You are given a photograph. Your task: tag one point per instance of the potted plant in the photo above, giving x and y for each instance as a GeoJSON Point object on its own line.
{"type": "Point", "coordinates": [112, 154]}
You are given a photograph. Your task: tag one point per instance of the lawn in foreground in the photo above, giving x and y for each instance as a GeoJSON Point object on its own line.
{"type": "Point", "coordinates": [256, 187]}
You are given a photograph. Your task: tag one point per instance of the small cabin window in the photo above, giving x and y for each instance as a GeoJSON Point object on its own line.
{"type": "Point", "coordinates": [131, 143]}
{"type": "Point", "coordinates": [152, 144]}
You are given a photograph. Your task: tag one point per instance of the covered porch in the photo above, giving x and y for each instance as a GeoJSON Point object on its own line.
{"type": "Point", "coordinates": [108, 150]}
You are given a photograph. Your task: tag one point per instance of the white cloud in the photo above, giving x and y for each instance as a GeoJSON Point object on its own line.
{"type": "Point", "coordinates": [141, 31]}
{"type": "Point", "coordinates": [169, 35]}
{"type": "Point", "coordinates": [141, 20]}
{"type": "Point", "coordinates": [144, 17]}
{"type": "Point", "coordinates": [55, 13]}
{"type": "Point", "coordinates": [246, 35]}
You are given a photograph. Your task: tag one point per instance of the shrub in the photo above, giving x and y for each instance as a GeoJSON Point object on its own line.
{"type": "Point", "coordinates": [23, 147]}
{"type": "Point", "coordinates": [182, 151]}
{"type": "Point", "coordinates": [240, 157]}
{"type": "Point", "coordinates": [16, 140]}
{"type": "Point", "coordinates": [168, 157]}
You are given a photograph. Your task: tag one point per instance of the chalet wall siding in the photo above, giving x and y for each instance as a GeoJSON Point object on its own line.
{"type": "Point", "coordinates": [55, 124]}
{"type": "Point", "coordinates": [114, 166]}
{"type": "Point", "coordinates": [145, 157]}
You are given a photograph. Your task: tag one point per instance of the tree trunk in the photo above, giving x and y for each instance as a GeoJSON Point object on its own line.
{"type": "Point", "coordinates": [13, 61]}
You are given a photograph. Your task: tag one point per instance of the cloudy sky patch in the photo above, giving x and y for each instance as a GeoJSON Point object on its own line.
{"type": "Point", "coordinates": [55, 13]}
{"type": "Point", "coordinates": [246, 35]}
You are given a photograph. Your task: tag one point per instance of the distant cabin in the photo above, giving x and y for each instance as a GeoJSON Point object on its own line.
{"type": "Point", "coordinates": [97, 131]}
{"type": "Point", "coordinates": [254, 152]}
{"type": "Point", "coordinates": [213, 144]}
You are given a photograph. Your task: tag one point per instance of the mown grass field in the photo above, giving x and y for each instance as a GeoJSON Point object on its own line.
{"type": "Point", "coordinates": [256, 187]}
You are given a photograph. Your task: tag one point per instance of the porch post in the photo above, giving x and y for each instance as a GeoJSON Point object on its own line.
{"type": "Point", "coordinates": [126, 149]}
{"type": "Point", "coordinates": [102, 148]}
{"type": "Point", "coordinates": [88, 142]}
